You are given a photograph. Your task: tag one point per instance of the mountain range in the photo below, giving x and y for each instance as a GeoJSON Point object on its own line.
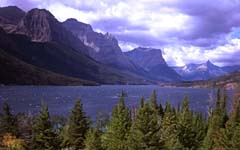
{"type": "Point", "coordinates": [71, 52]}
{"type": "Point", "coordinates": [69, 48]}
{"type": "Point", "coordinates": [203, 71]}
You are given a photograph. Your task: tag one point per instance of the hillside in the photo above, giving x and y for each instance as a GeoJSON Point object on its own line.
{"type": "Point", "coordinates": [14, 72]}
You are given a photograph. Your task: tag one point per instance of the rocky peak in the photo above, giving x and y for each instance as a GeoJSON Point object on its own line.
{"type": "Point", "coordinates": [103, 47]}
{"type": "Point", "coordinates": [76, 25]}
{"type": "Point", "coordinates": [37, 25]}
{"type": "Point", "coordinates": [152, 61]}
{"type": "Point", "coordinates": [12, 13]}
{"type": "Point", "coordinates": [147, 56]}
{"type": "Point", "coordinates": [41, 26]}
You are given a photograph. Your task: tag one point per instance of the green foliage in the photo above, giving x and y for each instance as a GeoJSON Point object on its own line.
{"type": "Point", "coordinates": [145, 131]}
{"type": "Point", "coordinates": [152, 127]}
{"type": "Point", "coordinates": [78, 126]}
{"type": "Point", "coordinates": [93, 140]}
{"type": "Point", "coordinates": [8, 123]}
{"type": "Point", "coordinates": [117, 129]}
{"type": "Point", "coordinates": [216, 123]}
{"type": "Point", "coordinates": [190, 127]}
{"type": "Point", "coordinates": [169, 128]}
{"type": "Point", "coordinates": [44, 136]}
{"type": "Point", "coordinates": [153, 101]}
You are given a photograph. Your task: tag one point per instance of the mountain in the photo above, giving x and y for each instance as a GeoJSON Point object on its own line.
{"type": "Point", "coordinates": [103, 47]}
{"type": "Point", "coordinates": [153, 63]}
{"type": "Point", "coordinates": [9, 17]}
{"type": "Point", "coordinates": [203, 71]}
{"type": "Point", "coordinates": [42, 26]}
{"type": "Point", "coordinates": [14, 71]}
{"type": "Point", "coordinates": [228, 81]}
{"type": "Point", "coordinates": [40, 40]}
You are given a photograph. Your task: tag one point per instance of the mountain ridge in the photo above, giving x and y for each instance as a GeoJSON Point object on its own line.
{"type": "Point", "coordinates": [203, 71]}
{"type": "Point", "coordinates": [153, 62]}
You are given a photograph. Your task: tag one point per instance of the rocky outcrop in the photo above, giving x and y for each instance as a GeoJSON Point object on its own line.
{"type": "Point", "coordinates": [152, 61]}
{"type": "Point", "coordinates": [41, 26]}
{"type": "Point", "coordinates": [9, 17]}
{"type": "Point", "coordinates": [103, 47]}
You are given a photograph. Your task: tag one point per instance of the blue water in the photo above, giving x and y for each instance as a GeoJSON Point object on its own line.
{"type": "Point", "coordinates": [95, 99]}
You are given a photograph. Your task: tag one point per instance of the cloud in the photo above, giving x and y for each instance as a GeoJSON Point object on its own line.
{"type": "Point", "coordinates": [185, 29]}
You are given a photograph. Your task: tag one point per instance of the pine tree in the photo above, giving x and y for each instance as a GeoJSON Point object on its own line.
{"type": "Point", "coordinates": [8, 123]}
{"type": "Point", "coordinates": [216, 124]}
{"type": "Point", "coordinates": [190, 127]}
{"type": "Point", "coordinates": [43, 135]}
{"type": "Point", "coordinates": [230, 135]}
{"type": "Point", "coordinates": [117, 130]}
{"type": "Point", "coordinates": [161, 111]}
{"type": "Point", "coordinates": [78, 126]}
{"type": "Point", "coordinates": [93, 140]}
{"type": "Point", "coordinates": [145, 130]}
{"type": "Point", "coordinates": [169, 128]}
{"type": "Point", "coordinates": [153, 101]}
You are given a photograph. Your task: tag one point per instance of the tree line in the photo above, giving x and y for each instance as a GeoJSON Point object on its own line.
{"type": "Point", "coordinates": [150, 126]}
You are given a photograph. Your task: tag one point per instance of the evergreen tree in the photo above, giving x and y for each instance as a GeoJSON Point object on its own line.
{"type": "Point", "coordinates": [93, 140]}
{"type": "Point", "coordinates": [169, 128]}
{"type": "Point", "coordinates": [216, 123]}
{"type": "Point", "coordinates": [8, 123]}
{"type": "Point", "coordinates": [161, 110]}
{"type": "Point", "coordinates": [78, 126]}
{"type": "Point", "coordinates": [43, 135]}
{"type": "Point", "coordinates": [145, 131]}
{"type": "Point", "coordinates": [230, 135]}
{"type": "Point", "coordinates": [190, 127]}
{"type": "Point", "coordinates": [153, 101]}
{"type": "Point", "coordinates": [117, 130]}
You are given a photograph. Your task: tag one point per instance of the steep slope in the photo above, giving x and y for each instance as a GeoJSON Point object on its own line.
{"type": "Point", "coordinates": [62, 60]}
{"type": "Point", "coordinates": [14, 71]}
{"type": "Point", "coordinates": [152, 61]}
{"type": "Point", "coordinates": [103, 47]}
{"type": "Point", "coordinates": [202, 71]}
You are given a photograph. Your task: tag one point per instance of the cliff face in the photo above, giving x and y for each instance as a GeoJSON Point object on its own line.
{"type": "Point", "coordinates": [41, 26]}
{"type": "Point", "coordinates": [103, 47]}
{"type": "Point", "coordinates": [152, 61]}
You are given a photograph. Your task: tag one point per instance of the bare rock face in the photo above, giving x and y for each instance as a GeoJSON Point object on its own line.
{"type": "Point", "coordinates": [9, 17]}
{"type": "Point", "coordinates": [41, 26]}
{"type": "Point", "coordinates": [103, 47]}
{"type": "Point", "coordinates": [36, 25]}
{"type": "Point", "coordinates": [152, 61]}
{"type": "Point", "coordinates": [146, 57]}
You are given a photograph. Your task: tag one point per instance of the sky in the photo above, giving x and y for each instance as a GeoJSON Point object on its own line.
{"type": "Point", "coordinates": [187, 31]}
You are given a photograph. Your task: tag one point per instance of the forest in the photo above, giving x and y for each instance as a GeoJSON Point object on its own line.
{"type": "Point", "coordinates": [150, 126]}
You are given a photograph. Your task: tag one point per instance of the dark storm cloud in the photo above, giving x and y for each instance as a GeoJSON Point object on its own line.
{"type": "Point", "coordinates": [209, 19]}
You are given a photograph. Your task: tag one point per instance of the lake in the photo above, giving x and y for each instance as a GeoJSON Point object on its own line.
{"type": "Point", "coordinates": [95, 99]}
